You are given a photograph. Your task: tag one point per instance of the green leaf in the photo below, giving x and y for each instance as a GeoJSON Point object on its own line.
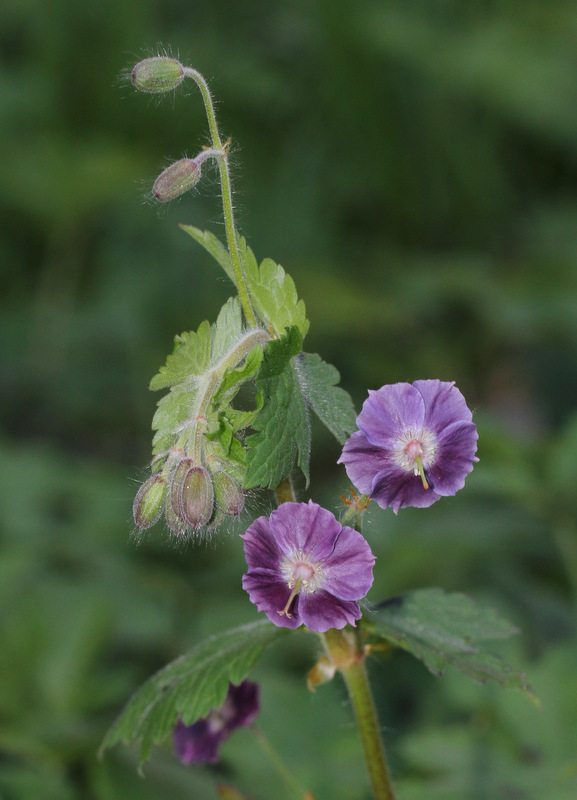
{"type": "Point", "coordinates": [333, 406]}
{"type": "Point", "coordinates": [282, 427]}
{"type": "Point", "coordinates": [190, 356]}
{"type": "Point", "coordinates": [212, 245]}
{"type": "Point", "coordinates": [187, 373]}
{"type": "Point", "coordinates": [441, 629]}
{"type": "Point", "coordinates": [273, 293]}
{"type": "Point", "coordinates": [191, 686]}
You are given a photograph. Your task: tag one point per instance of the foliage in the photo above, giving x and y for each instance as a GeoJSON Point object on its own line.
{"type": "Point", "coordinates": [446, 232]}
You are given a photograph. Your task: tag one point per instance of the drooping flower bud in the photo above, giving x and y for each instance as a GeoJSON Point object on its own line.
{"type": "Point", "coordinates": [174, 521]}
{"type": "Point", "coordinates": [176, 179]}
{"type": "Point", "coordinates": [177, 482]}
{"type": "Point", "coordinates": [148, 503]}
{"type": "Point", "coordinates": [197, 497]}
{"type": "Point", "coordinates": [157, 74]}
{"type": "Point", "coordinates": [229, 495]}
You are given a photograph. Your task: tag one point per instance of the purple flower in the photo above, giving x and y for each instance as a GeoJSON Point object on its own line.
{"type": "Point", "coordinates": [305, 567]}
{"type": "Point", "coordinates": [200, 742]}
{"type": "Point", "coordinates": [415, 444]}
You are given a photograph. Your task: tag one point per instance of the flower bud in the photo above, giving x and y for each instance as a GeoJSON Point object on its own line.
{"type": "Point", "coordinates": [157, 74]}
{"type": "Point", "coordinates": [176, 179]}
{"type": "Point", "coordinates": [147, 506]}
{"type": "Point", "coordinates": [177, 481]}
{"type": "Point", "coordinates": [197, 497]}
{"type": "Point", "coordinates": [173, 520]}
{"type": "Point", "coordinates": [229, 495]}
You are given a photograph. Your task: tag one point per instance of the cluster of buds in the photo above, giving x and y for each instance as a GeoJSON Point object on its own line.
{"type": "Point", "coordinates": [191, 496]}
{"type": "Point", "coordinates": [160, 74]}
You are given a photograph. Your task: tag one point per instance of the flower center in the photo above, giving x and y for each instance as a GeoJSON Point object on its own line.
{"type": "Point", "coordinates": [415, 452]}
{"type": "Point", "coordinates": [301, 575]}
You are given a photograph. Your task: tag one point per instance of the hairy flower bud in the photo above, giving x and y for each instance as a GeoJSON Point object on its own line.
{"type": "Point", "coordinates": [176, 179]}
{"type": "Point", "coordinates": [147, 506]}
{"type": "Point", "coordinates": [229, 495]}
{"type": "Point", "coordinates": [197, 497]}
{"type": "Point", "coordinates": [157, 74]}
{"type": "Point", "coordinates": [178, 476]}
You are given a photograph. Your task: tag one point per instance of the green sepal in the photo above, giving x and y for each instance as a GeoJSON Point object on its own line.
{"type": "Point", "coordinates": [441, 629]}
{"type": "Point", "coordinates": [191, 686]}
{"type": "Point", "coordinates": [282, 429]}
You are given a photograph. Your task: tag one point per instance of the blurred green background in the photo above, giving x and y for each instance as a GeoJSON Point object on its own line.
{"type": "Point", "coordinates": [413, 165]}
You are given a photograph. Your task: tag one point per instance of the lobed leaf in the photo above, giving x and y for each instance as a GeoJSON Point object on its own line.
{"type": "Point", "coordinates": [441, 629]}
{"type": "Point", "coordinates": [190, 356]}
{"type": "Point", "coordinates": [273, 293]}
{"type": "Point", "coordinates": [191, 686]}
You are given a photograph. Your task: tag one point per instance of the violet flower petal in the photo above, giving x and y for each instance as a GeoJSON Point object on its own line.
{"type": "Point", "coordinates": [322, 573]}
{"type": "Point", "coordinates": [411, 437]}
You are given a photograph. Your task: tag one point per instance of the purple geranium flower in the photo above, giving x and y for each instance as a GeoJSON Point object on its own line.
{"type": "Point", "coordinates": [415, 443]}
{"type": "Point", "coordinates": [305, 567]}
{"type": "Point", "coordinates": [200, 742]}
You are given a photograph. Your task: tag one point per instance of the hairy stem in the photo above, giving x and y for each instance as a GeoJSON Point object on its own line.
{"type": "Point", "coordinates": [345, 651]}
{"type": "Point", "coordinates": [226, 189]}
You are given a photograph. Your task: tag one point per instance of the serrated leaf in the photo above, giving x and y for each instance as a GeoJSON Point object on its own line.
{"type": "Point", "coordinates": [332, 404]}
{"type": "Point", "coordinates": [191, 686]}
{"type": "Point", "coordinates": [282, 427]}
{"type": "Point", "coordinates": [273, 293]}
{"type": "Point", "coordinates": [227, 330]}
{"type": "Point", "coordinates": [187, 373]}
{"type": "Point", "coordinates": [213, 246]}
{"type": "Point", "coordinates": [236, 377]}
{"type": "Point", "coordinates": [190, 356]}
{"type": "Point", "coordinates": [441, 629]}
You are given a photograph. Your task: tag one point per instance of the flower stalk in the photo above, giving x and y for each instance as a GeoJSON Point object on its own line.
{"type": "Point", "coordinates": [226, 190]}
{"type": "Point", "coordinates": [345, 651]}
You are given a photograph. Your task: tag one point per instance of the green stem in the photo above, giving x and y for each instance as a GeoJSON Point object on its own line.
{"type": "Point", "coordinates": [226, 189]}
{"type": "Point", "coordinates": [345, 650]}
{"type": "Point", "coordinates": [565, 533]}
{"type": "Point", "coordinates": [282, 768]}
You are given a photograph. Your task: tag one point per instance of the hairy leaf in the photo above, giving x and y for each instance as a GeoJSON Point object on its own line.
{"type": "Point", "coordinates": [282, 427]}
{"type": "Point", "coordinates": [441, 629]}
{"type": "Point", "coordinates": [190, 356]}
{"type": "Point", "coordinates": [333, 406]}
{"type": "Point", "coordinates": [191, 686]}
{"type": "Point", "coordinates": [273, 293]}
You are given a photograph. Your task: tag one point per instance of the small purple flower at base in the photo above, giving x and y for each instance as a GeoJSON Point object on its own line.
{"type": "Point", "coordinates": [199, 743]}
{"type": "Point", "coordinates": [416, 443]}
{"type": "Point", "coordinates": [304, 567]}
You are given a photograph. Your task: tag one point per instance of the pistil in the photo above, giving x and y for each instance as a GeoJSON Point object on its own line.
{"type": "Point", "coordinates": [293, 594]}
